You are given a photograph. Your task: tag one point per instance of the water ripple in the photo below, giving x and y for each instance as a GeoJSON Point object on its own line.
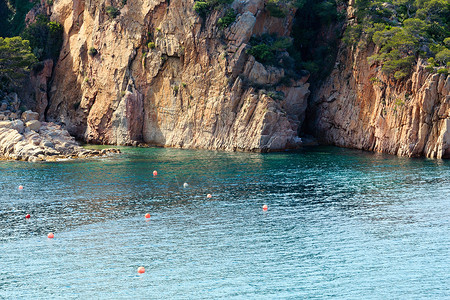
{"type": "Point", "coordinates": [341, 224]}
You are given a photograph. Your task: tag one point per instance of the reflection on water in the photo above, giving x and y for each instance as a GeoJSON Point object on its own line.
{"type": "Point", "coordinates": [340, 224]}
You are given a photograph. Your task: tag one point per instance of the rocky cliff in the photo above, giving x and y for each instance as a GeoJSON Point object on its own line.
{"type": "Point", "coordinates": [158, 73]}
{"type": "Point", "coordinates": [359, 107]}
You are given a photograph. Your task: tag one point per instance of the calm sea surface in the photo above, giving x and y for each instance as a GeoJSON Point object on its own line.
{"type": "Point", "coordinates": [341, 224]}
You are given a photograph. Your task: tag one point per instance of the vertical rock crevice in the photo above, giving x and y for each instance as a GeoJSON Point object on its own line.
{"type": "Point", "coordinates": [359, 107]}
{"type": "Point", "coordinates": [181, 77]}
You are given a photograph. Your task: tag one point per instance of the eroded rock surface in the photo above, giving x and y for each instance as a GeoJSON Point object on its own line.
{"type": "Point", "coordinates": [359, 107]}
{"type": "Point", "coordinates": [182, 92]}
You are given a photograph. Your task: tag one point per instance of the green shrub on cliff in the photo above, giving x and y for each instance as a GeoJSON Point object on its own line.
{"type": "Point", "coordinates": [92, 51]}
{"type": "Point", "coordinates": [15, 60]}
{"type": "Point", "coordinates": [443, 56]}
{"type": "Point", "coordinates": [276, 8]}
{"type": "Point", "coordinates": [45, 37]}
{"type": "Point", "coordinates": [12, 16]}
{"type": "Point", "coordinates": [262, 53]}
{"type": "Point", "coordinates": [325, 9]}
{"type": "Point", "coordinates": [447, 42]}
{"type": "Point", "coordinates": [227, 19]}
{"type": "Point", "coordinates": [442, 71]}
{"type": "Point", "coordinates": [315, 33]}
{"type": "Point", "coordinates": [398, 47]}
{"type": "Point", "coordinates": [203, 8]}
{"type": "Point", "coordinates": [275, 95]}
{"type": "Point", "coordinates": [268, 49]}
{"type": "Point", "coordinates": [112, 12]}
{"type": "Point", "coordinates": [402, 30]}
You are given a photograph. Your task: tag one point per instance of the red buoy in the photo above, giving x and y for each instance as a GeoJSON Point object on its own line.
{"type": "Point", "coordinates": [209, 196]}
{"type": "Point", "coordinates": [265, 207]}
{"type": "Point", "coordinates": [155, 173]}
{"type": "Point", "coordinates": [28, 216]}
{"type": "Point", "coordinates": [20, 187]}
{"type": "Point", "coordinates": [147, 216]}
{"type": "Point", "coordinates": [141, 270]}
{"type": "Point", "coordinates": [50, 235]}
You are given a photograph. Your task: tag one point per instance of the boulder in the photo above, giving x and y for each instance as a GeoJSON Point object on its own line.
{"type": "Point", "coordinates": [29, 116]}
{"type": "Point", "coordinates": [16, 124]}
{"type": "Point", "coordinates": [5, 124]}
{"type": "Point", "coordinates": [47, 144]}
{"type": "Point", "coordinates": [33, 125]}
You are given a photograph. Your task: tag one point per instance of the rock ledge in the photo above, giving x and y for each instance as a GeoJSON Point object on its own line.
{"type": "Point", "coordinates": [23, 137]}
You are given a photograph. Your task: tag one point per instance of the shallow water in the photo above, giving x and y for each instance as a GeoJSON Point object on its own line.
{"type": "Point", "coordinates": [341, 224]}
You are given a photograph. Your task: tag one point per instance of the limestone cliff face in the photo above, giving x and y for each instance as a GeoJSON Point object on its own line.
{"type": "Point", "coordinates": [358, 107]}
{"type": "Point", "coordinates": [193, 89]}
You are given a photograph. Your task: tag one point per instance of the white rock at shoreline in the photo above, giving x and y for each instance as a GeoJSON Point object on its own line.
{"type": "Point", "coordinates": [24, 137]}
{"type": "Point", "coordinates": [40, 141]}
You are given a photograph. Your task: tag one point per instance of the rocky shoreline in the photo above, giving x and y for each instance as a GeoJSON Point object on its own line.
{"type": "Point", "coordinates": [24, 137]}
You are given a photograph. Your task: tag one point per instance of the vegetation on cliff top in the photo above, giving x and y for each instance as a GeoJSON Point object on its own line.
{"type": "Point", "coordinates": [278, 8]}
{"type": "Point", "coordinates": [270, 49]}
{"type": "Point", "coordinates": [227, 19]}
{"type": "Point", "coordinates": [307, 51]}
{"type": "Point", "coordinates": [316, 33]}
{"type": "Point", "coordinates": [15, 60]}
{"type": "Point", "coordinates": [203, 8]}
{"type": "Point", "coordinates": [12, 16]}
{"type": "Point", "coordinates": [45, 37]}
{"type": "Point", "coordinates": [112, 11]}
{"type": "Point", "coordinates": [38, 41]}
{"type": "Point", "coordinates": [402, 30]}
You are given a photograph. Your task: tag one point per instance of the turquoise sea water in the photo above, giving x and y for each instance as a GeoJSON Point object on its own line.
{"type": "Point", "coordinates": [341, 224]}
